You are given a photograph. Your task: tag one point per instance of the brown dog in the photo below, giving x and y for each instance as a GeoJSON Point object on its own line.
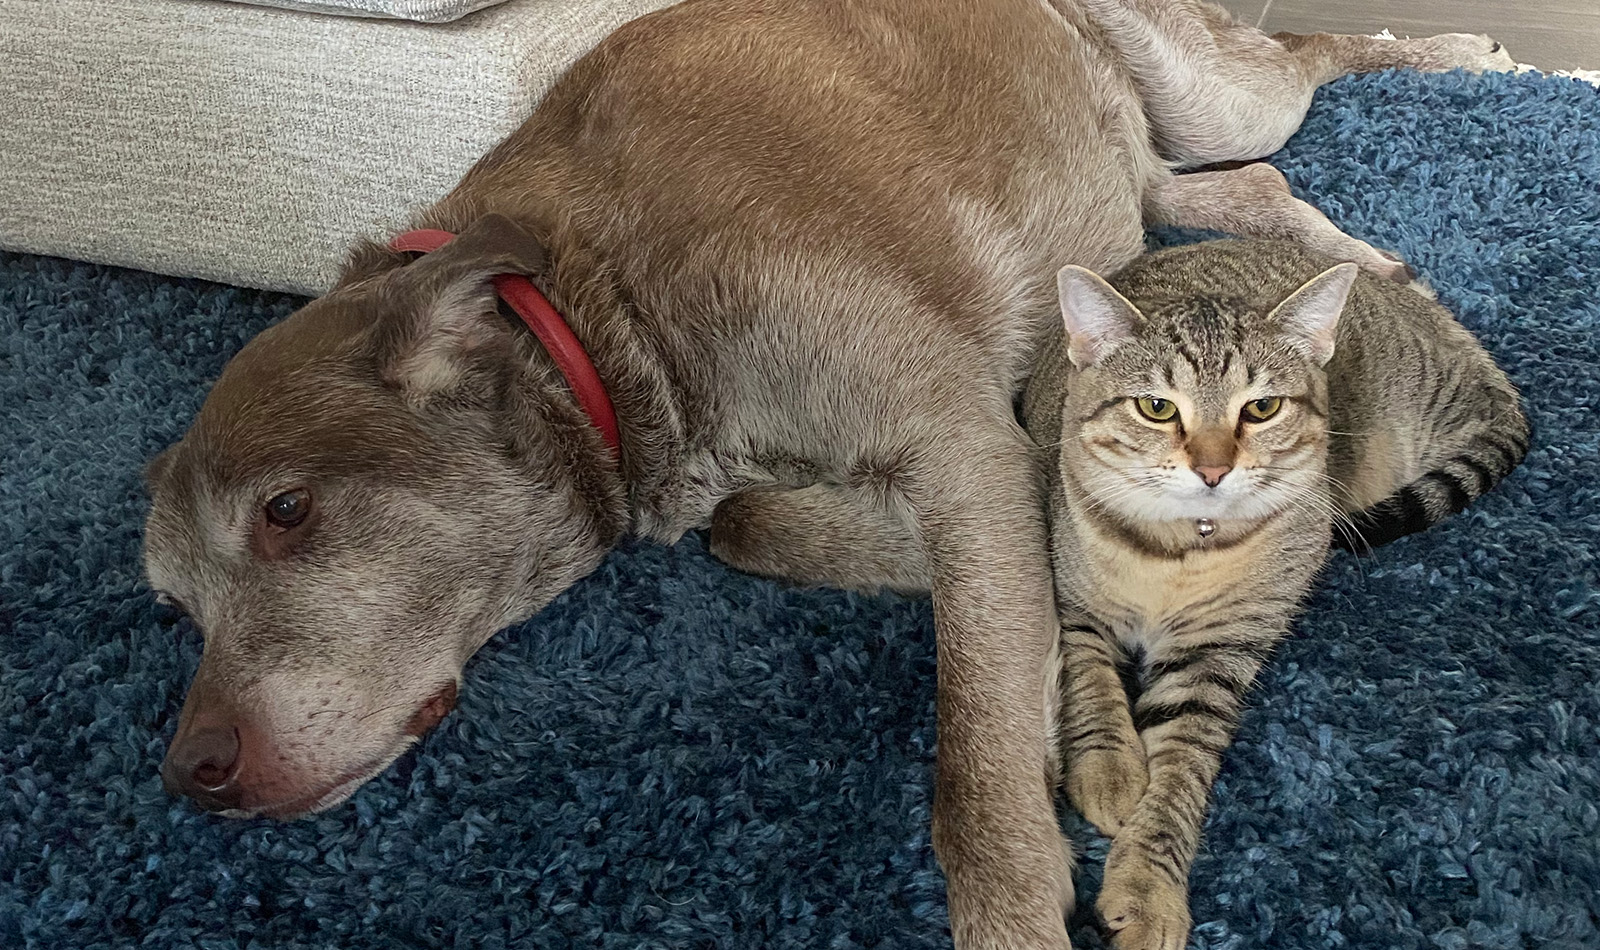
{"type": "Point", "coordinates": [810, 247]}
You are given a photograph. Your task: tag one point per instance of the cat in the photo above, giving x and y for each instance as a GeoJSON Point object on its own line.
{"type": "Point", "coordinates": [1218, 414]}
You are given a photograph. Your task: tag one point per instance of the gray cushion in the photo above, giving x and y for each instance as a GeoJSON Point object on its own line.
{"type": "Point", "coordinates": [249, 144]}
{"type": "Point", "coordinates": [423, 11]}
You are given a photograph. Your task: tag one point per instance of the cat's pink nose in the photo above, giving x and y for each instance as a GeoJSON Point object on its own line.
{"type": "Point", "coordinates": [1212, 474]}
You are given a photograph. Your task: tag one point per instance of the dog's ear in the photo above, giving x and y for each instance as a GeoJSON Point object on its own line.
{"type": "Point", "coordinates": [1098, 319]}
{"type": "Point", "coordinates": [440, 311]}
{"type": "Point", "coordinates": [1310, 316]}
{"type": "Point", "coordinates": [156, 469]}
{"type": "Point", "coordinates": [365, 260]}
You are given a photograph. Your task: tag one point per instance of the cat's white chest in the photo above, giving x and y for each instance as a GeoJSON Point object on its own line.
{"type": "Point", "coordinates": [1140, 597]}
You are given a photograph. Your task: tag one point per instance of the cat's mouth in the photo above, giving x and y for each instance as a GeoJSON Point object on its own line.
{"type": "Point", "coordinates": [1183, 496]}
{"type": "Point", "coordinates": [1212, 505]}
{"type": "Point", "coordinates": [1241, 500]}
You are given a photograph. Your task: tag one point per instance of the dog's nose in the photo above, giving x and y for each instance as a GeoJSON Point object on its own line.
{"type": "Point", "coordinates": [203, 766]}
{"type": "Point", "coordinates": [1212, 474]}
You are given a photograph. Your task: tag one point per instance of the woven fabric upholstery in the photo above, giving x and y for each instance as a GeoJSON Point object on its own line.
{"type": "Point", "coordinates": [423, 11]}
{"type": "Point", "coordinates": [247, 144]}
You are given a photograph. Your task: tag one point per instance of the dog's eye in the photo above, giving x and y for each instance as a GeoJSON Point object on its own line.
{"type": "Point", "coordinates": [290, 508]}
{"type": "Point", "coordinates": [169, 610]}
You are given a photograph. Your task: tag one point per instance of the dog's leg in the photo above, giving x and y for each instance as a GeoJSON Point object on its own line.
{"type": "Point", "coordinates": [970, 527]}
{"type": "Point", "coordinates": [1323, 57]}
{"type": "Point", "coordinates": [1254, 201]}
{"type": "Point", "coordinates": [1217, 90]}
{"type": "Point", "coordinates": [824, 534]}
{"type": "Point", "coordinates": [979, 504]}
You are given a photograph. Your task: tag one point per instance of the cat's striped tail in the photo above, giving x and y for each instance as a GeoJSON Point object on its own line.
{"type": "Point", "coordinates": [1485, 458]}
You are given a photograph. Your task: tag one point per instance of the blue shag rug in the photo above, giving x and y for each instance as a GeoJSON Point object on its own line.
{"type": "Point", "coordinates": [675, 755]}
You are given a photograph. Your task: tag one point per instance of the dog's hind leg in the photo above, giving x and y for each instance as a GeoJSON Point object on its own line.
{"type": "Point", "coordinates": [1323, 57]}
{"type": "Point", "coordinates": [1254, 201]}
{"type": "Point", "coordinates": [824, 534]}
{"type": "Point", "coordinates": [1217, 90]}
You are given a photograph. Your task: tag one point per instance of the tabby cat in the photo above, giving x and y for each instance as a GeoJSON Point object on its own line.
{"type": "Point", "coordinates": [1222, 411]}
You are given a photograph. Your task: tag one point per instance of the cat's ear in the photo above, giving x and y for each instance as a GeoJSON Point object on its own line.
{"type": "Point", "coordinates": [1098, 319]}
{"type": "Point", "coordinates": [1311, 314]}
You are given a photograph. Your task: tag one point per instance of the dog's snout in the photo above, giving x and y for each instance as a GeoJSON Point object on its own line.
{"type": "Point", "coordinates": [203, 765]}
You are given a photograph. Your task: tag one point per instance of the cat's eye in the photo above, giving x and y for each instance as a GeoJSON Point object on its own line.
{"type": "Point", "coordinates": [1157, 410]}
{"type": "Point", "coordinates": [1260, 410]}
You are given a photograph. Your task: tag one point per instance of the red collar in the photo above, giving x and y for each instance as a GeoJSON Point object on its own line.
{"type": "Point", "coordinates": [558, 339]}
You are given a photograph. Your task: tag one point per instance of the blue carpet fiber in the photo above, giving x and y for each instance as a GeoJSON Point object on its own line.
{"type": "Point", "coordinates": [675, 755]}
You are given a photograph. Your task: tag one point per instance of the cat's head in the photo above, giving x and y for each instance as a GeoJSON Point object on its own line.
{"type": "Point", "coordinates": [1186, 406]}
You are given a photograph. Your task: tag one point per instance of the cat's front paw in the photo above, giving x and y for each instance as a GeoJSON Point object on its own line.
{"type": "Point", "coordinates": [1105, 785]}
{"type": "Point", "coordinates": [1140, 905]}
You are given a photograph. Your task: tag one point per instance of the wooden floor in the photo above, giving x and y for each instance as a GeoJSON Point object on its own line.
{"type": "Point", "coordinates": [1549, 34]}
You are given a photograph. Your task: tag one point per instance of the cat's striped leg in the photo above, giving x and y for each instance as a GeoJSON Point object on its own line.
{"type": "Point", "coordinates": [1186, 717]}
{"type": "Point", "coordinates": [1102, 755]}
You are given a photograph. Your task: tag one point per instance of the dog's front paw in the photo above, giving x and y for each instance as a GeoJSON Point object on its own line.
{"type": "Point", "coordinates": [1140, 905]}
{"type": "Point", "coordinates": [1473, 52]}
{"type": "Point", "coordinates": [1106, 785]}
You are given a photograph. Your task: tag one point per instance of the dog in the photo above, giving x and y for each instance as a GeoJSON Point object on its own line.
{"type": "Point", "coordinates": [808, 248]}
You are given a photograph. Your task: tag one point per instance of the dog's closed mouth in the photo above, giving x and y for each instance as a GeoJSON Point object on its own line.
{"type": "Point", "coordinates": [433, 711]}
{"type": "Point", "coordinates": [316, 801]}
{"type": "Point", "coordinates": [430, 714]}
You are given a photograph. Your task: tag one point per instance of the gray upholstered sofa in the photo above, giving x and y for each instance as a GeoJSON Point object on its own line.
{"type": "Point", "coordinates": [249, 143]}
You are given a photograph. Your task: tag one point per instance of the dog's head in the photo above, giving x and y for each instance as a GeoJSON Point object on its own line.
{"type": "Point", "coordinates": [373, 487]}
